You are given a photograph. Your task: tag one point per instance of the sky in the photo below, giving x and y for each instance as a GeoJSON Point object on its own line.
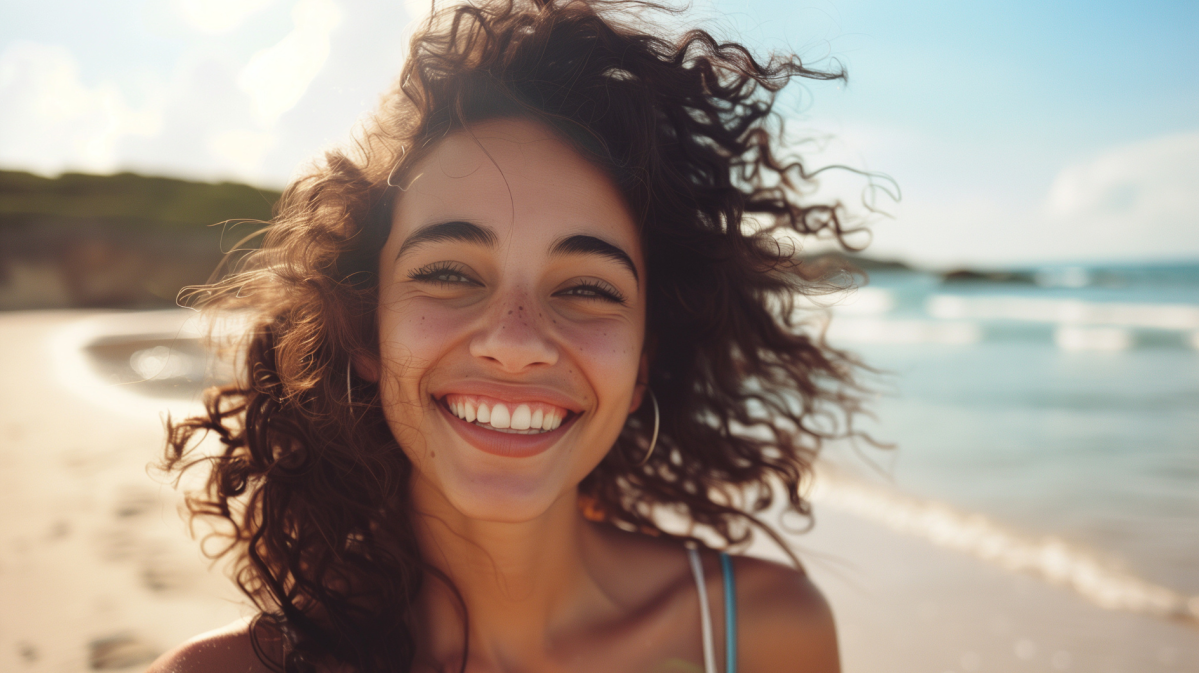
{"type": "Point", "coordinates": [1017, 133]}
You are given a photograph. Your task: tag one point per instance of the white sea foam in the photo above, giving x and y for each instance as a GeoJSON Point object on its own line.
{"type": "Point", "coordinates": [854, 301]}
{"type": "Point", "coordinates": [1064, 311]}
{"type": "Point", "coordinates": [1047, 557]}
{"type": "Point", "coordinates": [1072, 338]}
{"type": "Point", "coordinates": [866, 301]}
{"type": "Point", "coordinates": [858, 330]}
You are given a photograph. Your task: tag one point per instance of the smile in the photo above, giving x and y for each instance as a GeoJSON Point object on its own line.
{"type": "Point", "coordinates": [523, 418]}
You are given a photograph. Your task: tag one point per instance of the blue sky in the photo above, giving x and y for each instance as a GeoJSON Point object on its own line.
{"type": "Point", "coordinates": [1019, 132]}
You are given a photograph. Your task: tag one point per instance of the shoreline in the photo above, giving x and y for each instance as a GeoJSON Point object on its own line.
{"type": "Point", "coordinates": [1048, 557]}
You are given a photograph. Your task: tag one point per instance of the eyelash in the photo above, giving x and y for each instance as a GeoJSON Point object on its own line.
{"type": "Point", "coordinates": [430, 274]}
{"type": "Point", "coordinates": [436, 272]}
{"type": "Point", "coordinates": [602, 291]}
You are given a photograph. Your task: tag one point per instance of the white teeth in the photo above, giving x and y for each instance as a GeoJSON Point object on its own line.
{"type": "Point", "coordinates": [521, 418]}
{"type": "Point", "coordinates": [500, 417]}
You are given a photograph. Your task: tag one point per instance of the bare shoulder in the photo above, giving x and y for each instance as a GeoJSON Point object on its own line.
{"type": "Point", "coordinates": [227, 649]}
{"type": "Point", "coordinates": [784, 623]}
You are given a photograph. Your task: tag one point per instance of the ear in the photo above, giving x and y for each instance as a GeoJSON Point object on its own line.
{"type": "Point", "coordinates": [642, 383]}
{"type": "Point", "coordinates": [366, 367]}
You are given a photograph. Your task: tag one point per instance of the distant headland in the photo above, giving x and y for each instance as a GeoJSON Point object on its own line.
{"type": "Point", "coordinates": [117, 241]}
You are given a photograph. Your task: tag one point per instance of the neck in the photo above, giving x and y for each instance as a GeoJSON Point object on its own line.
{"type": "Point", "coordinates": [520, 582]}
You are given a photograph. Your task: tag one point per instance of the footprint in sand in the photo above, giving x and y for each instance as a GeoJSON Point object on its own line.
{"type": "Point", "coordinates": [132, 537]}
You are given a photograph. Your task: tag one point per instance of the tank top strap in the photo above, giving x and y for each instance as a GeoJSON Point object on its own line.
{"type": "Point", "coordinates": [730, 614]}
{"type": "Point", "coordinates": [705, 614]}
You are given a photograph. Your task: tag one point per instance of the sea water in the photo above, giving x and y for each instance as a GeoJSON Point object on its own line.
{"type": "Point", "coordinates": [1061, 403]}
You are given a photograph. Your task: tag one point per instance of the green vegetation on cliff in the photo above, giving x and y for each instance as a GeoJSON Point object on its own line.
{"type": "Point", "coordinates": [129, 199]}
{"type": "Point", "coordinates": [117, 241]}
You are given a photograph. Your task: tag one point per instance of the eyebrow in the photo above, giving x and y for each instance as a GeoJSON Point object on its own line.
{"type": "Point", "coordinates": [456, 230]}
{"type": "Point", "coordinates": [590, 245]}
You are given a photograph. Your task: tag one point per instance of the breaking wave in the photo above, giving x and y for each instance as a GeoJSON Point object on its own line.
{"type": "Point", "coordinates": [1047, 557]}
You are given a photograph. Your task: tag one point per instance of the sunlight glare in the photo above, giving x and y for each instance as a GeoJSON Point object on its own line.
{"type": "Point", "coordinates": [219, 16]}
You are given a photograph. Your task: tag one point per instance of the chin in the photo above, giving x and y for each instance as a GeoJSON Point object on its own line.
{"type": "Point", "coordinates": [502, 498]}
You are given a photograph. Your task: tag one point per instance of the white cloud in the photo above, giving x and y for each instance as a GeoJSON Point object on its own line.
{"type": "Point", "coordinates": [1139, 200]}
{"type": "Point", "coordinates": [973, 205]}
{"type": "Point", "coordinates": [277, 77]}
{"type": "Point", "coordinates": [241, 151]}
{"type": "Point", "coordinates": [50, 120]}
{"type": "Point", "coordinates": [1152, 182]}
{"type": "Point", "coordinates": [219, 16]}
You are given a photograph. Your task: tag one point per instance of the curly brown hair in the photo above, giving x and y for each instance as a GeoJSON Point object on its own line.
{"type": "Point", "coordinates": [309, 476]}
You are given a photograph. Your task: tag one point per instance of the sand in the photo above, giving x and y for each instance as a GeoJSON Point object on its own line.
{"type": "Point", "coordinates": [97, 571]}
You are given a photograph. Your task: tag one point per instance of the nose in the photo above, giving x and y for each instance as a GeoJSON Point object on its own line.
{"type": "Point", "coordinates": [513, 336]}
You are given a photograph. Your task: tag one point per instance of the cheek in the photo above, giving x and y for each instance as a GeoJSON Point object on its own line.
{"type": "Point", "coordinates": [414, 334]}
{"type": "Point", "coordinates": [413, 338]}
{"type": "Point", "coordinates": [609, 350]}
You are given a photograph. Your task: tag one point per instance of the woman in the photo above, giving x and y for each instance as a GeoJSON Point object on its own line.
{"type": "Point", "coordinates": [501, 342]}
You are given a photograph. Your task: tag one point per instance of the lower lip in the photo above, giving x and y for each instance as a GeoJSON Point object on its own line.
{"type": "Point", "coordinates": [506, 444]}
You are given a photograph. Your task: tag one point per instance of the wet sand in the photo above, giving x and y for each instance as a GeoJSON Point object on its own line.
{"type": "Point", "coordinates": [97, 571]}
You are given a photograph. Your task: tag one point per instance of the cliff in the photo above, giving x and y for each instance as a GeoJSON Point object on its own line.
{"type": "Point", "coordinates": [117, 241]}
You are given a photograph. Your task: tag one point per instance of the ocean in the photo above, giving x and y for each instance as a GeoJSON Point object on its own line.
{"type": "Point", "coordinates": [1061, 404]}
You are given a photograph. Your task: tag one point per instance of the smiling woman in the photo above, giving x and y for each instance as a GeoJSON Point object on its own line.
{"type": "Point", "coordinates": [440, 456]}
{"type": "Point", "coordinates": [509, 288]}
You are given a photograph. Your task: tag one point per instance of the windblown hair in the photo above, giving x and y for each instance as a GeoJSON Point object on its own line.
{"type": "Point", "coordinates": [310, 481]}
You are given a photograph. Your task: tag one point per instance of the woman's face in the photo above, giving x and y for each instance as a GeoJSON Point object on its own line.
{"type": "Point", "coordinates": [511, 320]}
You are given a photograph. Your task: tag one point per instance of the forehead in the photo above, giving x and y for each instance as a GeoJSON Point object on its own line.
{"type": "Point", "coordinates": [511, 174]}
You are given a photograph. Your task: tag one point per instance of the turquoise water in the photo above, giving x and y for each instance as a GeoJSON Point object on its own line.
{"type": "Point", "coordinates": [1068, 409]}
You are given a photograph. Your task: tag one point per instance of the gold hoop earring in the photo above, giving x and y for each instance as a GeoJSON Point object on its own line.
{"type": "Point", "coordinates": [653, 442]}
{"type": "Point", "coordinates": [349, 390]}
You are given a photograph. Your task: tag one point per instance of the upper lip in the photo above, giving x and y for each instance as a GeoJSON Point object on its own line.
{"type": "Point", "coordinates": [510, 393]}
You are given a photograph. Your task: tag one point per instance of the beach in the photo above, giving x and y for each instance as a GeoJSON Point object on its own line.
{"type": "Point", "coordinates": [97, 571]}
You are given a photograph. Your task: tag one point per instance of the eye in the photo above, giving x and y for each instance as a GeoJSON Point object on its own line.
{"type": "Point", "coordinates": [442, 273]}
{"type": "Point", "coordinates": [591, 289]}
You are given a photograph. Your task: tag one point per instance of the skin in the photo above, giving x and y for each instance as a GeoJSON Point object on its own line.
{"type": "Point", "coordinates": [513, 314]}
